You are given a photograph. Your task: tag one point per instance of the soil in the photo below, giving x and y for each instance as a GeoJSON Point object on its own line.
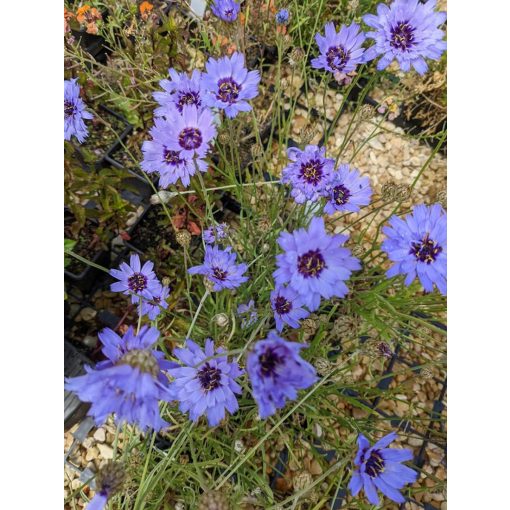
{"type": "Point", "coordinates": [102, 134]}
{"type": "Point", "coordinates": [88, 244]}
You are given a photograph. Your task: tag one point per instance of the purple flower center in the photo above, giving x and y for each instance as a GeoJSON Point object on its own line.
{"type": "Point", "coordinates": [137, 282]}
{"type": "Point", "coordinates": [311, 264]}
{"type": "Point", "coordinates": [425, 250]}
{"type": "Point", "coordinates": [228, 13]}
{"type": "Point", "coordinates": [209, 377]}
{"type": "Point", "coordinates": [269, 362]}
{"type": "Point", "coordinates": [282, 305]}
{"type": "Point", "coordinates": [219, 274]}
{"type": "Point", "coordinates": [228, 90]}
{"type": "Point", "coordinates": [172, 157]}
{"type": "Point", "coordinates": [311, 171]}
{"type": "Point", "coordinates": [337, 57]}
{"type": "Point", "coordinates": [190, 138]}
{"type": "Point", "coordinates": [402, 36]}
{"type": "Point", "coordinates": [341, 194]}
{"type": "Point", "coordinates": [188, 98]}
{"type": "Point", "coordinates": [69, 108]}
{"type": "Point", "coordinates": [375, 464]}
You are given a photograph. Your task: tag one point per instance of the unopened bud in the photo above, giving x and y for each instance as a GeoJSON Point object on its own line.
{"type": "Point", "coordinates": [296, 56]}
{"type": "Point", "coordinates": [366, 112]}
{"type": "Point", "coordinates": [307, 134]}
{"type": "Point", "coordinates": [221, 320]}
{"type": "Point", "coordinates": [162, 197]}
{"type": "Point", "coordinates": [213, 500]}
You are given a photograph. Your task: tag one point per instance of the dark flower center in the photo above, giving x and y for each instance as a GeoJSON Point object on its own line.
{"type": "Point", "coordinates": [190, 138]}
{"type": "Point", "coordinates": [187, 98]}
{"type": "Point", "coordinates": [337, 57]}
{"type": "Point", "coordinates": [269, 362]}
{"type": "Point", "coordinates": [228, 90]}
{"type": "Point", "coordinates": [311, 171]}
{"type": "Point", "coordinates": [425, 250]}
{"type": "Point", "coordinates": [209, 377]}
{"type": "Point", "coordinates": [137, 282]}
{"type": "Point", "coordinates": [219, 274]}
{"type": "Point", "coordinates": [282, 305]}
{"type": "Point", "coordinates": [341, 194]}
{"type": "Point", "coordinates": [375, 464]}
{"type": "Point", "coordinates": [172, 157]}
{"type": "Point", "coordinates": [69, 108]}
{"type": "Point", "coordinates": [141, 359]}
{"type": "Point", "coordinates": [228, 13]}
{"type": "Point", "coordinates": [402, 36]}
{"type": "Point", "coordinates": [311, 264]}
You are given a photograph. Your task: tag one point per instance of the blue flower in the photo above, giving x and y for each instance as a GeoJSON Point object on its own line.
{"type": "Point", "coordinates": [179, 91]}
{"type": "Point", "coordinates": [248, 313]}
{"type": "Point", "coordinates": [179, 142]}
{"type": "Point", "coordinates": [277, 372]}
{"type": "Point", "coordinates": [314, 263]}
{"type": "Point", "coordinates": [341, 52]}
{"type": "Point", "coordinates": [152, 307]}
{"type": "Point", "coordinates": [215, 233]}
{"type": "Point", "coordinates": [135, 280]}
{"type": "Point", "coordinates": [406, 31]}
{"type": "Point", "coordinates": [227, 10]}
{"type": "Point", "coordinates": [417, 245]}
{"type": "Point", "coordinates": [287, 307]}
{"type": "Point", "coordinates": [308, 172]}
{"type": "Point", "coordinates": [74, 112]}
{"type": "Point", "coordinates": [205, 386]}
{"type": "Point", "coordinates": [378, 467]}
{"type": "Point", "coordinates": [282, 17]}
{"type": "Point", "coordinates": [347, 190]}
{"type": "Point", "coordinates": [130, 383]}
{"type": "Point", "coordinates": [229, 84]}
{"type": "Point", "coordinates": [221, 269]}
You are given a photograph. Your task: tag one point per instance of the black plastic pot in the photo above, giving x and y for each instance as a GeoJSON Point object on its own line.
{"type": "Point", "coordinates": [93, 44]}
{"type": "Point", "coordinates": [74, 362]}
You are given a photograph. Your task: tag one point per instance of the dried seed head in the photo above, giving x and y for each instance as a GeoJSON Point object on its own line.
{"type": "Point", "coordinates": [256, 151]}
{"type": "Point", "coordinates": [284, 84]}
{"type": "Point", "coordinates": [357, 250]}
{"type": "Point", "coordinates": [389, 191]}
{"type": "Point", "coordinates": [323, 366]}
{"type": "Point", "coordinates": [310, 324]}
{"type": "Point", "coordinates": [239, 446]}
{"type": "Point", "coordinates": [296, 56]}
{"type": "Point", "coordinates": [403, 191]}
{"type": "Point", "coordinates": [264, 224]}
{"type": "Point", "coordinates": [346, 325]}
{"type": "Point", "coordinates": [111, 478]}
{"type": "Point", "coordinates": [221, 320]}
{"type": "Point", "coordinates": [162, 197]}
{"type": "Point", "coordinates": [441, 198]}
{"type": "Point", "coordinates": [426, 373]}
{"type": "Point", "coordinates": [353, 5]}
{"type": "Point", "coordinates": [302, 480]}
{"type": "Point", "coordinates": [366, 112]}
{"type": "Point", "coordinates": [180, 506]}
{"type": "Point", "coordinates": [183, 237]}
{"type": "Point", "coordinates": [213, 500]}
{"type": "Point", "coordinates": [165, 281]}
{"type": "Point", "coordinates": [307, 134]}
{"type": "Point", "coordinates": [224, 137]}
{"type": "Point", "coordinates": [287, 41]}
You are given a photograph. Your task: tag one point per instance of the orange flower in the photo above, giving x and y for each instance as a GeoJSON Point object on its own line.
{"type": "Point", "coordinates": [145, 9]}
{"type": "Point", "coordinates": [67, 16]}
{"type": "Point", "coordinates": [81, 13]}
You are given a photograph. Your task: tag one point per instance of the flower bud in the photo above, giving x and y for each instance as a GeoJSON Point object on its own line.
{"type": "Point", "coordinates": [221, 320]}
{"type": "Point", "coordinates": [213, 500]}
{"type": "Point", "coordinates": [183, 237]}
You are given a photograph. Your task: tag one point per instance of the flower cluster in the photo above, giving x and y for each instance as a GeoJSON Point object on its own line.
{"type": "Point", "coordinates": [184, 124]}
{"type": "Point", "coordinates": [140, 282]}
{"type": "Point", "coordinates": [312, 176]}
